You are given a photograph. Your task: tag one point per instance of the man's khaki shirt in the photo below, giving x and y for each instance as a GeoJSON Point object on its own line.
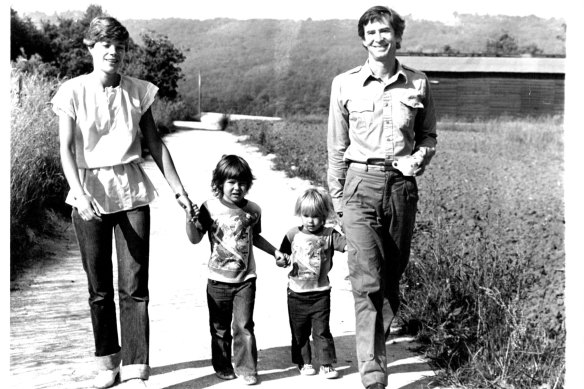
{"type": "Point", "coordinates": [371, 119]}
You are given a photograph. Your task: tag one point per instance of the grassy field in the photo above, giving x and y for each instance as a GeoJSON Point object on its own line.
{"type": "Point", "coordinates": [484, 288]}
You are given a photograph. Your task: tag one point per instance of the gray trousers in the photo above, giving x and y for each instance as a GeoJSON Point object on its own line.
{"type": "Point", "coordinates": [379, 210]}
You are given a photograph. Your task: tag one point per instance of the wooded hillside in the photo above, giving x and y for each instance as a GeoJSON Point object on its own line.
{"type": "Point", "coordinates": [284, 66]}
{"type": "Point", "coordinates": [279, 67]}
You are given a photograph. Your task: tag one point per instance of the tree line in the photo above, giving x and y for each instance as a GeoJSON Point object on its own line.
{"type": "Point", "coordinates": [57, 50]}
{"type": "Point", "coordinates": [266, 66]}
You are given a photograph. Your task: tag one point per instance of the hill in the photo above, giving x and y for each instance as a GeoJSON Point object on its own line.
{"type": "Point", "coordinates": [266, 66]}
{"type": "Point", "coordinates": [278, 67]}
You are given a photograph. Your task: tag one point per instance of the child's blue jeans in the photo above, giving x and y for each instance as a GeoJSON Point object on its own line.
{"type": "Point", "coordinates": [231, 309]}
{"type": "Point", "coordinates": [131, 230]}
{"type": "Point", "coordinates": [310, 312]}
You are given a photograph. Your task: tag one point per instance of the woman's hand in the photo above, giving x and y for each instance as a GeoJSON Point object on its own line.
{"type": "Point", "coordinates": [186, 204]}
{"type": "Point", "coordinates": [194, 215]}
{"type": "Point", "coordinates": [87, 207]}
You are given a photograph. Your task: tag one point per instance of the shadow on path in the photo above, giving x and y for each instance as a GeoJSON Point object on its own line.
{"type": "Point", "coordinates": [276, 369]}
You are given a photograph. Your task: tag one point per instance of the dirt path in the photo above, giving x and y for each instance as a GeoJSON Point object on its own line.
{"type": "Point", "coordinates": [50, 333]}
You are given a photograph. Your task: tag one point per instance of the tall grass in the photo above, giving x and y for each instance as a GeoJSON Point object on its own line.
{"type": "Point", "coordinates": [36, 180]}
{"type": "Point", "coordinates": [484, 288]}
{"type": "Point", "coordinates": [37, 184]}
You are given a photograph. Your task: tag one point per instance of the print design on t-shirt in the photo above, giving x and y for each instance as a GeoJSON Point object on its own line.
{"type": "Point", "coordinates": [307, 256]}
{"type": "Point", "coordinates": [232, 242]}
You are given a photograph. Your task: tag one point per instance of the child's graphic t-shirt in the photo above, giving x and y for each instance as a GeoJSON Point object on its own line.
{"type": "Point", "coordinates": [311, 256]}
{"type": "Point", "coordinates": [231, 229]}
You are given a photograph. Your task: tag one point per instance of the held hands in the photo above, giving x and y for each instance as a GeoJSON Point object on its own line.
{"type": "Point", "coordinates": [194, 215]}
{"type": "Point", "coordinates": [282, 260]}
{"type": "Point", "coordinates": [186, 204]}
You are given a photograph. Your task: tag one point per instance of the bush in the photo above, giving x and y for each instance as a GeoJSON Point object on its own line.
{"type": "Point", "coordinates": [166, 111]}
{"type": "Point", "coordinates": [37, 183]}
{"type": "Point", "coordinates": [36, 179]}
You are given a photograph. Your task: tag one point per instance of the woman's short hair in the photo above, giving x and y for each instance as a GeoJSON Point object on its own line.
{"type": "Point", "coordinates": [230, 167]}
{"type": "Point", "coordinates": [377, 13]}
{"type": "Point", "coordinates": [105, 29]}
{"type": "Point", "coordinates": [314, 202]}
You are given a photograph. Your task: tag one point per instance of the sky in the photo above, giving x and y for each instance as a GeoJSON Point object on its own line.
{"type": "Point", "coordinates": [442, 10]}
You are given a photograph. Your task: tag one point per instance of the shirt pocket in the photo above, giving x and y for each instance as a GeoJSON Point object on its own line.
{"type": "Point", "coordinates": [409, 106]}
{"type": "Point", "coordinates": [360, 114]}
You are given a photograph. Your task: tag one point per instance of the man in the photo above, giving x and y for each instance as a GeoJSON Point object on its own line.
{"type": "Point", "coordinates": [379, 113]}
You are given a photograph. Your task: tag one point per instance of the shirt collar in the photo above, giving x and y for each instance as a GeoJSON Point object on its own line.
{"type": "Point", "coordinates": [365, 72]}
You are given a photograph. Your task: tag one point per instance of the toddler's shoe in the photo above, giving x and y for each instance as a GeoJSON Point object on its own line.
{"type": "Point", "coordinates": [225, 374]}
{"type": "Point", "coordinates": [134, 383]}
{"type": "Point", "coordinates": [107, 378]}
{"type": "Point", "coordinates": [328, 371]}
{"type": "Point", "coordinates": [250, 379]}
{"type": "Point", "coordinates": [307, 369]}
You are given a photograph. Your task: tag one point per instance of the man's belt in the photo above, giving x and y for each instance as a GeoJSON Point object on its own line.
{"type": "Point", "coordinates": [378, 164]}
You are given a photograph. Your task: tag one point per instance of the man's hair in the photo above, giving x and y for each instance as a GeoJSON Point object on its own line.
{"type": "Point", "coordinates": [106, 29]}
{"type": "Point", "coordinates": [314, 202]}
{"type": "Point", "coordinates": [230, 167]}
{"type": "Point", "coordinates": [378, 13]}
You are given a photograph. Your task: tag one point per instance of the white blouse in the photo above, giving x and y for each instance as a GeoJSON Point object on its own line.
{"type": "Point", "coordinates": [107, 139]}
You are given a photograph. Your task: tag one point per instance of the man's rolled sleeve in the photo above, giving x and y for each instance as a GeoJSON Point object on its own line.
{"type": "Point", "coordinates": [425, 127]}
{"type": "Point", "coordinates": [337, 142]}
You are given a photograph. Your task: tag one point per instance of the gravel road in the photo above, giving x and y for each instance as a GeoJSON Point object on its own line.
{"type": "Point", "coordinates": [50, 332]}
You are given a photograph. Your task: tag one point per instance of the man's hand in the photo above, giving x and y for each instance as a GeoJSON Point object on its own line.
{"type": "Point", "coordinates": [420, 170]}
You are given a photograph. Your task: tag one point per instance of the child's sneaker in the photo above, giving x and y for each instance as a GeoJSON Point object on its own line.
{"type": "Point", "coordinates": [329, 371]}
{"type": "Point", "coordinates": [307, 369]}
{"type": "Point", "coordinates": [250, 379]}
{"type": "Point", "coordinates": [226, 374]}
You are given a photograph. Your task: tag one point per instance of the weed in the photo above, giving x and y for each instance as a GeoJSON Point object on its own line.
{"type": "Point", "coordinates": [485, 282]}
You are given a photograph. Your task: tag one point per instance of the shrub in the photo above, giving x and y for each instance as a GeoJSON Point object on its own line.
{"type": "Point", "coordinates": [36, 179]}
{"type": "Point", "coordinates": [166, 111]}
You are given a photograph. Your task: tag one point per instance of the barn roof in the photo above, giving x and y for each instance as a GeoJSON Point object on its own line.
{"type": "Point", "coordinates": [485, 64]}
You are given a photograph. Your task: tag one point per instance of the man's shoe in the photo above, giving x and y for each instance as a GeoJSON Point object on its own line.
{"type": "Point", "coordinates": [250, 379]}
{"type": "Point", "coordinates": [307, 369]}
{"type": "Point", "coordinates": [106, 378]}
{"type": "Point", "coordinates": [376, 385]}
{"type": "Point", "coordinates": [328, 371]}
{"type": "Point", "coordinates": [225, 374]}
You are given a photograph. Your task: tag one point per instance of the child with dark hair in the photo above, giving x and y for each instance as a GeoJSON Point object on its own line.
{"type": "Point", "coordinates": [233, 224]}
{"type": "Point", "coordinates": [311, 247]}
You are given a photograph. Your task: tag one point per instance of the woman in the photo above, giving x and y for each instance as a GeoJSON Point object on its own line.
{"type": "Point", "coordinates": [101, 115]}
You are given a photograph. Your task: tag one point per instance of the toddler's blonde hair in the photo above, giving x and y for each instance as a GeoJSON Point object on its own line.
{"type": "Point", "coordinates": [315, 202]}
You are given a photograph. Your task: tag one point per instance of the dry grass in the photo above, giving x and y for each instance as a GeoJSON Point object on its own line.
{"type": "Point", "coordinates": [484, 289]}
